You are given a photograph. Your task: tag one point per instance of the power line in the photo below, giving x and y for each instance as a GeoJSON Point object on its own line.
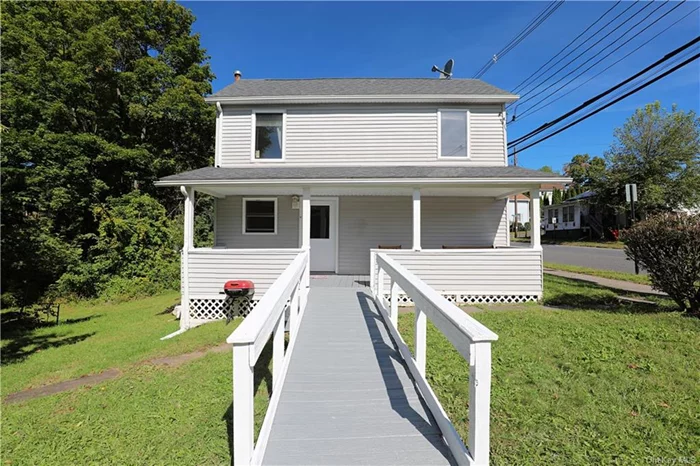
{"type": "Point", "coordinates": [565, 47]}
{"type": "Point", "coordinates": [532, 110]}
{"type": "Point", "coordinates": [529, 28]}
{"type": "Point", "coordinates": [596, 98]}
{"type": "Point", "coordinates": [599, 52]}
{"type": "Point", "coordinates": [579, 46]}
{"type": "Point", "coordinates": [624, 96]}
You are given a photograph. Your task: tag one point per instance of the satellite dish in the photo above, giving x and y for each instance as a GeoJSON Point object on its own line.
{"type": "Point", "coordinates": [446, 72]}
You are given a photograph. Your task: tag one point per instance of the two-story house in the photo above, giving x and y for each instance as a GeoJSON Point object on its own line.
{"type": "Point", "coordinates": [344, 166]}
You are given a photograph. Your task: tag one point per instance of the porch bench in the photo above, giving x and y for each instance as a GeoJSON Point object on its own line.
{"type": "Point", "coordinates": [388, 247]}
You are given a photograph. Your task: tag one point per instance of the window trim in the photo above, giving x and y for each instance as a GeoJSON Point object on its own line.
{"type": "Point", "coordinates": [283, 111]}
{"type": "Point", "coordinates": [243, 218]}
{"type": "Point", "coordinates": [468, 133]}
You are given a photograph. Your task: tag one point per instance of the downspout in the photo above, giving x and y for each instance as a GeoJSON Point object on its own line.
{"type": "Point", "coordinates": [217, 139]}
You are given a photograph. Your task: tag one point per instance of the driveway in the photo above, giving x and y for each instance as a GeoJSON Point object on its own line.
{"type": "Point", "coordinates": [595, 258]}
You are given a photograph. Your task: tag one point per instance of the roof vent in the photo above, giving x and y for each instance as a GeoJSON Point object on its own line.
{"type": "Point", "coordinates": [237, 75]}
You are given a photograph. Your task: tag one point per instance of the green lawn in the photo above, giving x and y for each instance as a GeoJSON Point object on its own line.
{"type": "Point", "coordinates": [149, 415]}
{"type": "Point", "coordinates": [599, 383]}
{"type": "Point", "coordinates": [94, 337]}
{"type": "Point", "coordinates": [626, 277]}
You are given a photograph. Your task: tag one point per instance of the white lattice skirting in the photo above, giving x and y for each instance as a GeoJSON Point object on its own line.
{"type": "Point", "coordinates": [218, 309]}
{"type": "Point", "coordinates": [475, 299]}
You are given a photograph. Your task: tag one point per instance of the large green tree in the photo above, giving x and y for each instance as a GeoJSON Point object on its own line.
{"type": "Point", "coordinates": [584, 169]}
{"type": "Point", "coordinates": [98, 99]}
{"type": "Point", "coordinates": [659, 150]}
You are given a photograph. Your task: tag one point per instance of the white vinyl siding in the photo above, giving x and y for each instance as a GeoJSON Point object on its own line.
{"type": "Point", "coordinates": [487, 137]}
{"type": "Point", "coordinates": [229, 225]}
{"type": "Point", "coordinates": [449, 221]}
{"type": "Point", "coordinates": [462, 221]}
{"type": "Point", "coordinates": [236, 136]}
{"type": "Point", "coordinates": [208, 269]}
{"type": "Point", "coordinates": [496, 272]}
{"type": "Point", "coordinates": [365, 222]}
{"type": "Point", "coordinates": [369, 134]}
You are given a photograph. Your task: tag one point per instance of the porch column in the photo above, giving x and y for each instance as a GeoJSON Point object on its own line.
{"type": "Point", "coordinates": [416, 219]}
{"type": "Point", "coordinates": [305, 245]}
{"type": "Point", "coordinates": [535, 218]}
{"type": "Point", "coordinates": [188, 244]}
{"type": "Point", "coordinates": [306, 219]}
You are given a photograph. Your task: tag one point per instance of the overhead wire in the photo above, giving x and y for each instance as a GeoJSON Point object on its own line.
{"type": "Point", "coordinates": [602, 28]}
{"type": "Point", "coordinates": [599, 96]}
{"type": "Point", "coordinates": [614, 101]}
{"type": "Point", "coordinates": [534, 107]}
{"type": "Point", "coordinates": [567, 46]}
{"type": "Point", "coordinates": [630, 29]}
{"type": "Point", "coordinates": [526, 31]}
{"type": "Point", "coordinates": [585, 51]}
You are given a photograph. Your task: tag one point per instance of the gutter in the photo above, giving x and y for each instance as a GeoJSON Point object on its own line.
{"type": "Point", "coordinates": [360, 181]}
{"type": "Point", "coordinates": [399, 98]}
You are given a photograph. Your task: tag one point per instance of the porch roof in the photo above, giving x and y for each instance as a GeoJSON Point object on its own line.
{"type": "Point", "coordinates": [379, 174]}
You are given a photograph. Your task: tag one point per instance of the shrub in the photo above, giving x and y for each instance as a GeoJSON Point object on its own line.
{"type": "Point", "coordinates": [668, 246]}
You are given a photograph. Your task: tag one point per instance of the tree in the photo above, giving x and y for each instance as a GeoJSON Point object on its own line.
{"type": "Point", "coordinates": [548, 169]}
{"type": "Point", "coordinates": [97, 98]}
{"type": "Point", "coordinates": [584, 169]}
{"type": "Point", "coordinates": [660, 152]}
{"type": "Point", "coordinates": [556, 196]}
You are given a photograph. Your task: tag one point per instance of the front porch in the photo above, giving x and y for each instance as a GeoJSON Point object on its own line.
{"type": "Point", "coordinates": [454, 238]}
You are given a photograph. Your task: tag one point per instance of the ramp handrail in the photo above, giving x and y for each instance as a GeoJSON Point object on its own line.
{"type": "Point", "coordinates": [288, 293]}
{"type": "Point", "coordinates": [471, 339]}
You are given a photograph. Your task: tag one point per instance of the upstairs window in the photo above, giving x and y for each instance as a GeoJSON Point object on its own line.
{"type": "Point", "coordinates": [268, 136]}
{"type": "Point", "coordinates": [260, 216]}
{"type": "Point", "coordinates": [454, 134]}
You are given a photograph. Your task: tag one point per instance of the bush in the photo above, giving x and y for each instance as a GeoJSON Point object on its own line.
{"type": "Point", "coordinates": [668, 246]}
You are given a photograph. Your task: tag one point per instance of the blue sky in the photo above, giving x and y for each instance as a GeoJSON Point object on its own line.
{"type": "Point", "coordinates": [404, 39]}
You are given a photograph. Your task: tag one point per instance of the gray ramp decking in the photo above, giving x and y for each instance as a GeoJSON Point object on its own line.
{"type": "Point", "coordinates": [348, 398]}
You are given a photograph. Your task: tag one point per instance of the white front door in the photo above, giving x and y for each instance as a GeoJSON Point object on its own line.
{"type": "Point", "coordinates": [324, 214]}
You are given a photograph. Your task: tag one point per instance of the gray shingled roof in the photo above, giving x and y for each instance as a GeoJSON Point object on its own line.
{"type": "Point", "coordinates": [366, 172]}
{"type": "Point", "coordinates": [359, 86]}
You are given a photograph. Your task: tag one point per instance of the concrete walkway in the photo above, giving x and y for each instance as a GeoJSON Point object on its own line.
{"type": "Point", "coordinates": [348, 398]}
{"type": "Point", "coordinates": [607, 282]}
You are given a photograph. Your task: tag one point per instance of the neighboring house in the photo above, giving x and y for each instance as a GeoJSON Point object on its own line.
{"type": "Point", "coordinates": [523, 208]}
{"type": "Point", "coordinates": [570, 219]}
{"type": "Point", "coordinates": [346, 166]}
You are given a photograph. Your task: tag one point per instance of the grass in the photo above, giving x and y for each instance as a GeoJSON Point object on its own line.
{"type": "Point", "coordinates": [94, 337]}
{"type": "Point", "coordinates": [623, 276]}
{"type": "Point", "coordinates": [568, 242]}
{"type": "Point", "coordinates": [148, 415]}
{"type": "Point", "coordinates": [597, 383]}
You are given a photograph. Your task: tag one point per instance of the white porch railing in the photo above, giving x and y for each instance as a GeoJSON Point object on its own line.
{"type": "Point", "coordinates": [469, 276]}
{"type": "Point", "coordinates": [207, 269]}
{"type": "Point", "coordinates": [288, 293]}
{"type": "Point", "coordinates": [470, 338]}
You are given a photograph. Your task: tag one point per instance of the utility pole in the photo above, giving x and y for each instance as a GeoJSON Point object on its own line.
{"type": "Point", "coordinates": [515, 197]}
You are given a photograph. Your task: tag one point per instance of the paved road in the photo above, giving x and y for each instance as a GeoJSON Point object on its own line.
{"type": "Point", "coordinates": [596, 258]}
